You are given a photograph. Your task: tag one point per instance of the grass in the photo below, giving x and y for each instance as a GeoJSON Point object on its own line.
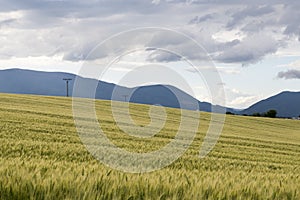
{"type": "Point", "coordinates": [42, 156]}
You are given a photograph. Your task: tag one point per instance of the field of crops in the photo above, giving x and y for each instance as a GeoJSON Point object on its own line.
{"type": "Point", "coordinates": [42, 156]}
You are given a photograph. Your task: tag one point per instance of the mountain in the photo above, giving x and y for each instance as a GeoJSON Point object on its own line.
{"type": "Point", "coordinates": [21, 81]}
{"type": "Point", "coordinates": [287, 104]}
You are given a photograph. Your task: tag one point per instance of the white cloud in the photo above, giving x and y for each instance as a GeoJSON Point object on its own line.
{"type": "Point", "coordinates": [229, 69]}
{"type": "Point", "coordinates": [44, 63]}
{"type": "Point", "coordinates": [294, 65]}
{"type": "Point", "coordinates": [228, 35]}
{"type": "Point", "coordinates": [243, 102]}
{"type": "Point", "coordinates": [239, 99]}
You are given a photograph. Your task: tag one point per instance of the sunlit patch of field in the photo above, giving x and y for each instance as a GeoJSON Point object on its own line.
{"type": "Point", "coordinates": [42, 157]}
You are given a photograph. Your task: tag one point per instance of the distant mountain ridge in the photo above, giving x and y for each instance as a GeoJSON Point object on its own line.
{"type": "Point", "coordinates": [21, 81]}
{"type": "Point", "coordinates": [287, 104]}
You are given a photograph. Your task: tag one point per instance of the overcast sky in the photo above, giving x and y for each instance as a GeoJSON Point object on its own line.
{"type": "Point", "coordinates": [255, 45]}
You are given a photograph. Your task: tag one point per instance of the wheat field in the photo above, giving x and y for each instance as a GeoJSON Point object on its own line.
{"type": "Point", "coordinates": [42, 156]}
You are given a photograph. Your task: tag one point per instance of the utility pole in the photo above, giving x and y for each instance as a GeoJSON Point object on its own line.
{"type": "Point", "coordinates": [125, 97]}
{"type": "Point", "coordinates": [67, 84]}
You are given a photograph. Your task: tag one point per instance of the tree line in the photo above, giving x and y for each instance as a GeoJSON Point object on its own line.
{"type": "Point", "coordinates": [271, 113]}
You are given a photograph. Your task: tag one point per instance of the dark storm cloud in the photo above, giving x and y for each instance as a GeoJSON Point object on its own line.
{"type": "Point", "coordinates": [289, 74]}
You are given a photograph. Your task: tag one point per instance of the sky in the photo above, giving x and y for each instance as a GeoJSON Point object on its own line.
{"type": "Point", "coordinates": [254, 45]}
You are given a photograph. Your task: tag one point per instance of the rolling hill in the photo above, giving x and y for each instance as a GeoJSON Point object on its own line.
{"type": "Point", "coordinates": [21, 81]}
{"type": "Point", "coordinates": [287, 104]}
{"type": "Point", "coordinates": [42, 156]}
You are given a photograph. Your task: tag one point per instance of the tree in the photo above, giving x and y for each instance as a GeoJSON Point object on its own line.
{"type": "Point", "coordinates": [229, 113]}
{"type": "Point", "coordinates": [271, 113]}
{"type": "Point", "coordinates": [257, 114]}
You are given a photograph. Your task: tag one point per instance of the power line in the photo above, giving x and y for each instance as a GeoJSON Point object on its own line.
{"type": "Point", "coordinates": [67, 85]}
{"type": "Point", "coordinates": [125, 97]}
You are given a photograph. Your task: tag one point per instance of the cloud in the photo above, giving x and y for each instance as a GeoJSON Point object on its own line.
{"type": "Point", "coordinates": [163, 56]}
{"type": "Point", "coordinates": [250, 50]}
{"type": "Point", "coordinates": [250, 11]}
{"type": "Point", "coordinates": [289, 74]}
{"type": "Point", "coordinates": [294, 65]}
{"type": "Point", "coordinates": [6, 22]}
{"type": "Point", "coordinates": [290, 19]}
{"type": "Point", "coordinates": [240, 100]}
{"type": "Point", "coordinates": [243, 102]}
{"type": "Point", "coordinates": [73, 27]}
{"type": "Point", "coordinates": [198, 20]}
